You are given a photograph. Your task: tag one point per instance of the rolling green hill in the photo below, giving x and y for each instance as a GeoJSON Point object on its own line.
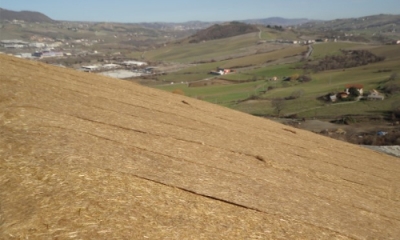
{"type": "Point", "coordinates": [219, 31]}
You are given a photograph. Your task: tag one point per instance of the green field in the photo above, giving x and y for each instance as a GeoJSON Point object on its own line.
{"type": "Point", "coordinates": [372, 76]}
{"type": "Point", "coordinates": [331, 48]}
{"type": "Point", "coordinates": [204, 51]}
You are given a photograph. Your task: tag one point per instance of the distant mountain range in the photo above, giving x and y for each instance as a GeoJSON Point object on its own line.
{"type": "Point", "coordinates": [30, 16]}
{"type": "Point", "coordinates": [381, 22]}
{"type": "Point", "coordinates": [202, 25]}
{"type": "Point", "coordinates": [278, 21]}
{"type": "Point", "coordinates": [27, 16]}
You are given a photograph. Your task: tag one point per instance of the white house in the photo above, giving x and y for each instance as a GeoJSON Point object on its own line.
{"type": "Point", "coordinates": [89, 68]}
{"type": "Point", "coordinates": [375, 95]}
{"type": "Point", "coordinates": [133, 63]}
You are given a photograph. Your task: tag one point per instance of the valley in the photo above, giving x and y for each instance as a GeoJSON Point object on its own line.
{"type": "Point", "coordinates": [268, 64]}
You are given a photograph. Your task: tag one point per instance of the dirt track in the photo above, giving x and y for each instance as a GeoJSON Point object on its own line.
{"type": "Point", "coordinates": [90, 157]}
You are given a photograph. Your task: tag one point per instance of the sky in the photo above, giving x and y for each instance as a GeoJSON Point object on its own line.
{"type": "Point", "coordinates": [133, 11]}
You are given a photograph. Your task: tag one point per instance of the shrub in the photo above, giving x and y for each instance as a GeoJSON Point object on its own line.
{"type": "Point", "coordinates": [391, 88]}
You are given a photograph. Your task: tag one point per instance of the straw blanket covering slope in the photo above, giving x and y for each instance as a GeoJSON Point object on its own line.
{"type": "Point", "coordinates": [89, 157]}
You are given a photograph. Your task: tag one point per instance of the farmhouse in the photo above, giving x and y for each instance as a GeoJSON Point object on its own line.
{"type": "Point", "coordinates": [333, 97]}
{"type": "Point", "coordinates": [375, 95]}
{"type": "Point", "coordinates": [222, 71]}
{"type": "Point", "coordinates": [342, 95]}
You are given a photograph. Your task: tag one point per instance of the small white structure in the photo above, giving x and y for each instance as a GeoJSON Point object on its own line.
{"type": "Point", "coordinates": [333, 97]}
{"type": "Point", "coordinates": [133, 63]}
{"type": "Point", "coordinates": [121, 74]}
{"type": "Point", "coordinates": [24, 55]}
{"type": "Point", "coordinates": [37, 45]}
{"type": "Point", "coordinates": [89, 68]}
{"type": "Point", "coordinates": [110, 66]}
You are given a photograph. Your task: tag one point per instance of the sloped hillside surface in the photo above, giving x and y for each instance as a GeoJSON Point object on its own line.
{"type": "Point", "coordinates": [383, 22]}
{"type": "Point", "coordinates": [88, 157]}
{"type": "Point", "coordinates": [219, 31]}
{"type": "Point", "coordinates": [27, 16]}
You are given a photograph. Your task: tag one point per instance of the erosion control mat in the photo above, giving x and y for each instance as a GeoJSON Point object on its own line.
{"type": "Point", "coordinates": [84, 156]}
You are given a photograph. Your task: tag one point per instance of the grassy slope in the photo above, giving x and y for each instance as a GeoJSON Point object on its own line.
{"type": "Point", "coordinates": [187, 53]}
{"type": "Point", "coordinates": [333, 81]}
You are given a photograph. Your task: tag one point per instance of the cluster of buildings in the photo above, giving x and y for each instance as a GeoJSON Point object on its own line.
{"type": "Point", "coordinates": [15, 43]}
{"type": "Point", "coordinates": [121, 70]}
{"type": "Point", "coordinates": [42, 50]}
{"type": "Point", "coordinates": [222, 71]}
{"type": "Point", "coordinates": [372, 95]}
{"type": "Point", "coordinates": [305, 42]}
{"type": "Point", "coordinates": [113, 66]}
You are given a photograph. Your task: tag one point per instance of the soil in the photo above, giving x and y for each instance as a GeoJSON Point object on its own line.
{"type": "Point", "coordinates": [85, 156]}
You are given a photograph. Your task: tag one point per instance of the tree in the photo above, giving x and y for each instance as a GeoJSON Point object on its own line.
{"type": "Point", "coordinates": [297, 93]}
{"type": "Point", "coordinates": [278, 105]}
{"type": "Point", "coordinates": [391, 87]}
{"type": "Point", "coordinates": [396, 109]}
{"type": "Point", "coordinates": [354, 92]}
{"type": "Point", "coordinates": [393, 76]}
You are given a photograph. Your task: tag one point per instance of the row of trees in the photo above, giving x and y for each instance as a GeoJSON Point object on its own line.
{"type": "Point", "coordinates": [276, 27]}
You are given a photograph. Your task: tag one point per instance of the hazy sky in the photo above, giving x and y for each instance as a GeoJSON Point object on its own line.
{"type": "Point", "coordinates": [203, 10]}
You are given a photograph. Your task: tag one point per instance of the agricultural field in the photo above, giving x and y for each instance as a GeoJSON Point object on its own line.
{"type": "Point", "coordinates": [203, 51]}
{"type": "Point", "coordinates": [250, 89]}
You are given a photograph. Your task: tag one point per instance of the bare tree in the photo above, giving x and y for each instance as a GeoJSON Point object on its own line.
{"type": "Point", "coordinates": [278, 105]}
{"type": "Point", "coordinates": [297, 93]}
{"type": "Point", "coordinates": [393, 76]}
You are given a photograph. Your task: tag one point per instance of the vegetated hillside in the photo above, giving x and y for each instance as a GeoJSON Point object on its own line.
{"type": "Point", "coordinates": [382, 22]}
{"type": "Point", "coordinates": [219, 31]}
{"type": "Point", "coordinates": [348, 59]}
{"type": "Point", "coordinates": [177, 26]}
{"type": "Point", "coordinates": [85, 156]}
{"type": "Point", "coordinates": [278, 21]}
{"type": "Point", "coordinates": [377, 28]}
{"type": "Point", "coordinates": [27, 16]}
